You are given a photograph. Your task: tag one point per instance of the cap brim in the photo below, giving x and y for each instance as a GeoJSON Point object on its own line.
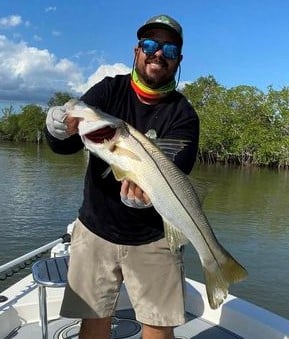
{"type": "Point", "coordinates": [153, 25]}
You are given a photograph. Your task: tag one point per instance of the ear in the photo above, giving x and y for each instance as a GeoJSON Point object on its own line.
{"type": "Point", "coordinates": [136, 51]}
{"type": "Point", "coordinates": [180, 58]}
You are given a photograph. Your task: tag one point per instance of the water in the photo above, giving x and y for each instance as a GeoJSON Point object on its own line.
{"type": "Point", "coordinates": [40, 193]}
{"type": "Point", "coordinates": [248, 209]}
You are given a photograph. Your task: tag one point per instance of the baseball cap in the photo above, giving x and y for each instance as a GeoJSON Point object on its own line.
{"type": "Point", "coordinates": [162, 21]}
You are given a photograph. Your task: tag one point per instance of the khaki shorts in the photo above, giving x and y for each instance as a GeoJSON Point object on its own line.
{"type": "Point", "coordinates": [153, 278]}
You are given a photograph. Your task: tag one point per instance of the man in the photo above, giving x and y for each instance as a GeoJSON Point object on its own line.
{"type": "Point", "coordinates": [118, 235]}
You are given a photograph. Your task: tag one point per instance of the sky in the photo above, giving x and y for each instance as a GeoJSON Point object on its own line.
{"type": "Point", "coordinates": [47, 46]}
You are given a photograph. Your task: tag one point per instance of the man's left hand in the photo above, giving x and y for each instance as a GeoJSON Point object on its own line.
{"type": "Point", "coordinates": [132, 196]}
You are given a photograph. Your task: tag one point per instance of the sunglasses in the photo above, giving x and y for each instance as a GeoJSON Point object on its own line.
{"type": "Point", "coordinates": [150, 47]}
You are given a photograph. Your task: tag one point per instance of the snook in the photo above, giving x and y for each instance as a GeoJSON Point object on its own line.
{"type": "Point", "coordinates": [133, 156]}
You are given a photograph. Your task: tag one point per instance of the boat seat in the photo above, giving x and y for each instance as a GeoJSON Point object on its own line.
{"type": "Point", "coordinates": [49, 272]}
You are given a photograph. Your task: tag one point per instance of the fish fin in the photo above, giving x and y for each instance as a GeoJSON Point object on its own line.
{"type": "Point", "coordinates": [218, 280]}
{"type": "Point", "coordinates": [106, 172]}
{"type": "Point", "coordinates": [126, 153]}
{"type": "Point", "coordinates": [171, 147]}
{"type": "Point", "coordinates": [118, 173]}
{"type": "Point", "coordinates": [174, 237]}
{"type": "Point", "coordinates": [121, 174]}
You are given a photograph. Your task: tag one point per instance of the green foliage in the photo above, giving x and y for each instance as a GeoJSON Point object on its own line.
{"type": "Point", "coordinates": [242, 124]}
{"type": "Point", "coordinates": [28, 124]}
{"type": "Point", "coordinates": [239, 125]}
{"type": "Point", "coordinates": [8, 124]}
{"type": "Point", "coordinates": [59, 99]}
{"type": "Point", "coordinates": [25, 126]}
{"type": "Point", "coordinates": [32, 122]}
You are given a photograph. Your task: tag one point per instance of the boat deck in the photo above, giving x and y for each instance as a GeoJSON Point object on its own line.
{"type": "Point", "coordinates": [124, 326]}
{"type": "Point", "coordinates": [236, 318]}
{"type": "Point", "coordinates": [52, 273]}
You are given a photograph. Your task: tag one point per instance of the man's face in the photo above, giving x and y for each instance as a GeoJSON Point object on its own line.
{"type": "Point", "coordinates": [156, 70]}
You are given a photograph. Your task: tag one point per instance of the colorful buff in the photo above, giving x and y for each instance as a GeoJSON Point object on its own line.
{"type": "Point", "coordinates": [147, 92]}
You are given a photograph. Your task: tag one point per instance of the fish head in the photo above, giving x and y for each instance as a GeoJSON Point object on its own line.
{"type": "Point", "coordinates": [94, 125]}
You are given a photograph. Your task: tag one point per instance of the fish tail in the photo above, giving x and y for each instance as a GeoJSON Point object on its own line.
{"type": "Point", "coordinates": [218, 279]}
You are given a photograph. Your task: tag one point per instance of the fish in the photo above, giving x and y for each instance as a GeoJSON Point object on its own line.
{"type": "Point", "coordinates": [133, 156]}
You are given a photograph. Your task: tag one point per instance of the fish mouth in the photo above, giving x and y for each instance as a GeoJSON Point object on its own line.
{"type": "Point", "coordinates": [100, 135]}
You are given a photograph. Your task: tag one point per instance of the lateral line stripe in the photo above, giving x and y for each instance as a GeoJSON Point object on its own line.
{"type": "Point", "coordinates": [127, 129]}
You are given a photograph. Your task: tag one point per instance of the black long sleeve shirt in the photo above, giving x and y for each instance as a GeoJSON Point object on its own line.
{"type": "Point", "coordinates": [102, 211]}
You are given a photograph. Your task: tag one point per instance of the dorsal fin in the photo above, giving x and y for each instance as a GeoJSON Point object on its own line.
{"type": "Point", "coordinates": [171, 147]}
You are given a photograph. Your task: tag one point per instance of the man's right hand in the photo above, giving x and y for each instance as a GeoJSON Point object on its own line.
{"type": "Point", "coordinates": [60, 124]}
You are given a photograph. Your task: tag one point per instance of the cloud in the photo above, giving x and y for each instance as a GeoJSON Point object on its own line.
{"type": "Point", "coordinates": [50, 9]}
{"type": "Point", "coordinates": [37, 37]}
{"type": "Point", "coordinates": [56, 33]}
{"type": "Point", "coordinates": [101, 72]}
{"type": "Point", "coordinates": [10, 21]}
{"type": "Point", "coordinates": [32, 75]}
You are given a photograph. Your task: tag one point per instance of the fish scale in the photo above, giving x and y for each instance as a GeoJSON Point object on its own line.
{"type": "Point", "coordinates": [175, 193]}
{"type": "Point", "coordinates": [132, 156]}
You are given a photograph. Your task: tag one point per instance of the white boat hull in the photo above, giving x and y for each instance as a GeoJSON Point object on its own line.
{"type": "Point", "coordinates": [236, 315]}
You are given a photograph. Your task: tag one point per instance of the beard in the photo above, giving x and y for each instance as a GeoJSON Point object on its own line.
{"type": "Point", "coordinates": [158, 79]}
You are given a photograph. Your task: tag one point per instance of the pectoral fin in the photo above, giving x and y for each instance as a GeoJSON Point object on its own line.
{"type": "Point", "coordinates": [123, 152]}
{"type": "Point", "coordinates": [118, 173]}
{"type": "Point", "coordinates": [121, 174]}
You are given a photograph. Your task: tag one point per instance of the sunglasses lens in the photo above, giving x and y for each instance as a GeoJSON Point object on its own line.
{"type": "Point", "coordinates": [170, 51]}
{"type": "Point", "coordinates": [149, 47]}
